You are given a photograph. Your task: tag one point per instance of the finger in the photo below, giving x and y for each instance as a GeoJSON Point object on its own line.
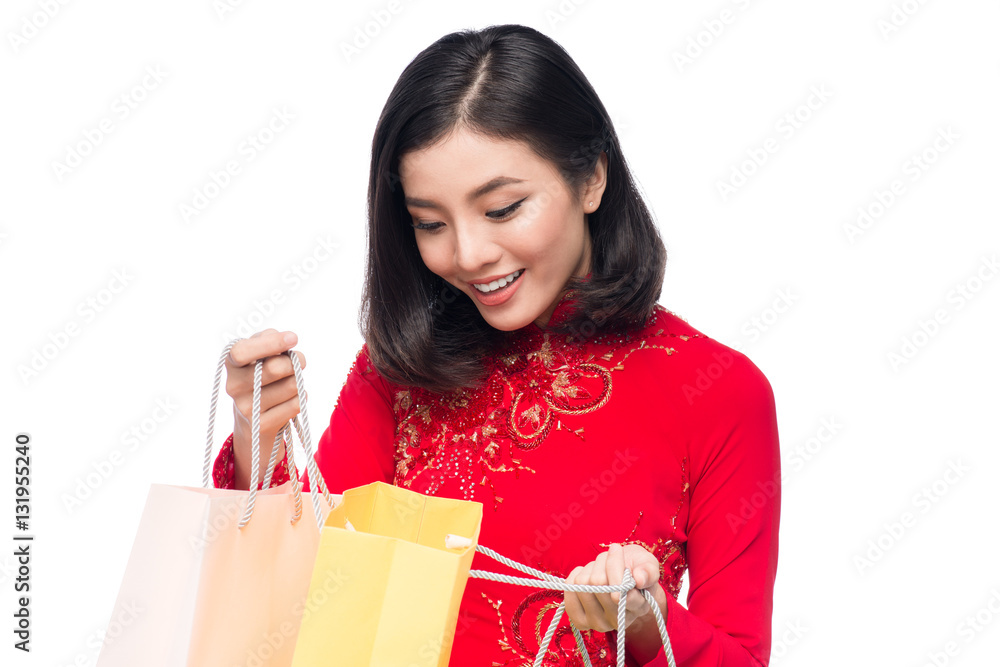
{"type": "Point", "coordinates": [262, 332]}
{"type": "Point", "coordinates": [608, 601]}
{"type": "Point", "coordinates": [637, 608]}
{"type": "Point", "coordinates": [592, 607]}
{"type": "Point", "coordinates": [263, 344]}
{"type": "Point", "coordinates": [615, 565]}
{"type": "Point", "coordinates": [571, 600]}
{"type": "Point", "coordinates": [615, 568]}
{"type": "Point", "coordinates": [271, 422]}
{"type": "Point", "coordinates": [280, 366]}
{"type": "Point", "coordinates": [648, 575]}
{"type": "Point", "coordinates": [644, 566]}
{"type": "Point", "coordinates": [230, 360]}
{"type": "Point", "coordinates": [271, 394]}
{"type": "Point", "coordinates": [279, 402]}
{"type": "Point", "coordinates": [239, 381]}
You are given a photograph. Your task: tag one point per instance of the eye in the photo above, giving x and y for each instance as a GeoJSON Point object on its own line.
{"type": "Point", "coordinates": [427, 226]}
{"type": "Point", "coordinates": [499, 215]}
{"type": "Point", "coordinates": [505, 213]}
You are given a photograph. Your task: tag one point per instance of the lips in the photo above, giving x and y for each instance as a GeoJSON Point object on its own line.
{"type": "Point", "coordinates": [488, 286]}
{"type": "Point", "coordinates": [500, 295]}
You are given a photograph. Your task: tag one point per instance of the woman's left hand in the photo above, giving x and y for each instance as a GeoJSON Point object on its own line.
{"type": "Point", "coordinates": [599, 611]}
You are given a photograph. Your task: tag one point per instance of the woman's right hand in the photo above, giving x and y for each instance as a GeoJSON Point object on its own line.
{"type": "Point", "coordinates": [279, 400]}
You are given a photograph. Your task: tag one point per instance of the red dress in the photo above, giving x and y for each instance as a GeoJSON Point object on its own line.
{"type": "Point", "coordinates": [663, 438]}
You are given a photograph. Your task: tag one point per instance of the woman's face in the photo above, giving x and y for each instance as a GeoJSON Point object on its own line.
{"type": "Point", "coordinates": [483, 209]}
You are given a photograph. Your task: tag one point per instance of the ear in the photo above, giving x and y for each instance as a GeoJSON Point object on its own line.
{"type": "Point", "coordinates": [594, 187]}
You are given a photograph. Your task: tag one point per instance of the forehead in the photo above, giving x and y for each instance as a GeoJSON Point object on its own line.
{"type": "Point", "coordinates": [464, 160]}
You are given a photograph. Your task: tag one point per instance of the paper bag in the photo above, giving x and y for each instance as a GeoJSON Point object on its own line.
{"type": "Point", "coordinates": [206, 593]}
{"type": "Point", "coordinates": [387, 592]}
{"type": "Point", "coordinates": [218, 577]}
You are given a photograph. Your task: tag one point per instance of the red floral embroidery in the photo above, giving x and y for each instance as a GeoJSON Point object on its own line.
{"type": "Point", "coordinates": [529, 623]}
{"type": "Point", "coordinates": [470, 434]}
{"type": "Point", "coordinates": [545, 380]}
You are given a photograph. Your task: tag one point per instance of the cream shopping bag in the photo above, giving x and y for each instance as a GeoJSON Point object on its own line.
{"type": "Point", "coordinates": [218, 577]}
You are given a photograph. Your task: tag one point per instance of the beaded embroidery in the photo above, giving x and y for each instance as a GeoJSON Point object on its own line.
{"type": "Point", "coordinates": [563, 649]}
{"type": "Point", "coordinates": [471, 434]}
{"type": "Point", "coordinates": [670, 554]}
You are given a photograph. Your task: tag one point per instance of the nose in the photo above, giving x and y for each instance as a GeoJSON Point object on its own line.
{"type": "Point", "coordinates": [474, 248]}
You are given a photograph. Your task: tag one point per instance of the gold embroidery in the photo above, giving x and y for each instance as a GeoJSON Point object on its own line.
{"type": "Point", "coordinates": [670, 554]}
{"type": "Point", "coordinates": [540, 604]}
{"type": "Point", "coordinates": [470, 434]}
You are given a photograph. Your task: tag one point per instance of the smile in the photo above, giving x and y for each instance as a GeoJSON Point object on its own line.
{"type": "Point", "coordinates": [486, 288]}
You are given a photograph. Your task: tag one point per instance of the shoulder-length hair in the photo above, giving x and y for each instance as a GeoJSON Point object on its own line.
{"type": "Point", "coordinates": [506, 82]}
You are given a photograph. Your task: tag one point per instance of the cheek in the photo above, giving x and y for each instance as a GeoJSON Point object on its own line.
{"type": "Point", "coordinates": [548, 234]}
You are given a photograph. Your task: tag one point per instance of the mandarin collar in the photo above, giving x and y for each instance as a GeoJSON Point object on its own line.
{"type": "Point", "coordinates": [563, 310]}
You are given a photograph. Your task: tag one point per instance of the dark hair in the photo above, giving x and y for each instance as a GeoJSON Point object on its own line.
{"type": "Point", "coordinates": [507, 82]}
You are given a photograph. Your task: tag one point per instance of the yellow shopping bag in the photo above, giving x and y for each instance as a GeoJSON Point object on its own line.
{"type": "Point", "coordinates": [385, 589]}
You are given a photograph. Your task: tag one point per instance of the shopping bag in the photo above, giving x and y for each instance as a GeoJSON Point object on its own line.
{"type": "Point", "coordinates": [385, 588]}
{"type": "Point", "coordinates": [218, 577]}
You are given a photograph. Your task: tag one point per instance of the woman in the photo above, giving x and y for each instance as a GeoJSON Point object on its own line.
{"type": "Point", "coordinates": [515, 355]}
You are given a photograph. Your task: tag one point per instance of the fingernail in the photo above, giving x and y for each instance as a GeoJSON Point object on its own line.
{"type": "Point", "coordinates": [290, 338]}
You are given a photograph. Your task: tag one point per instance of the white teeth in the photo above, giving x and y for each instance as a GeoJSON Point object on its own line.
{"type": "Point", "coordinates": [497, 284]}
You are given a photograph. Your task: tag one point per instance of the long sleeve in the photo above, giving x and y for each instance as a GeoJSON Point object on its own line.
{"type": "Point", "coordinates": [224, 468]}
{"type": "Point", "coordinates": [357, 446]}
{"type": "Point", "coordinates": [735, 496]}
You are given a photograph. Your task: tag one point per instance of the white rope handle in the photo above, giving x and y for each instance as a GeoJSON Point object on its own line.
{"type": "Point", "coordinates": [305, 437]}
{"type": "Point", "coordinates": [551, 582]}
{"type": "Point", "coordinates": [283, 436]}
{"type": "Point", "coordinates": [255, 443]}
{"type": "Point", "coordinates": [258, 369]}
{"type": "Point", "coordinates": [213, 404]}
{"type": "Point", "coordinates": [279, 438]}
{"type": "Point", "coordinates": [296, 484]}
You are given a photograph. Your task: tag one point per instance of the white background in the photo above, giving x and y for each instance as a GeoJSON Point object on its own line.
{"type": "Point", "coordinates": [894, 75]}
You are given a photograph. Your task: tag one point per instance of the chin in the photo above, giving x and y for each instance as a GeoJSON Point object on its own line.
{"type": "Point", "coordinates": [507, 323]}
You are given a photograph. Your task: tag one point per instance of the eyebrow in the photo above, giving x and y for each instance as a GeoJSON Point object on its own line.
{"type": "Point", "coordinates": [483, 189]}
